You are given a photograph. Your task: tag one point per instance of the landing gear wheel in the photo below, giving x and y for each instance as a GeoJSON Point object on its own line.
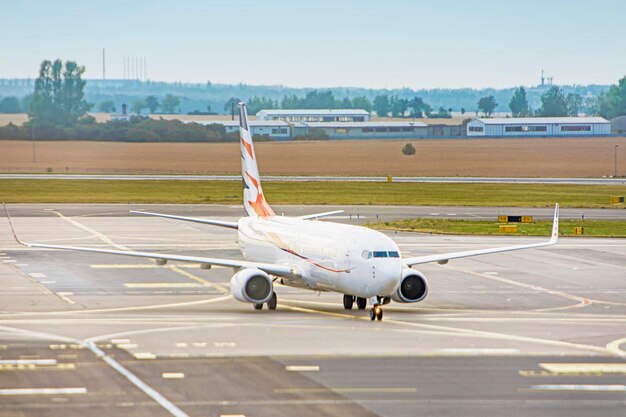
{"type": "Point", "coordinates": [376, 313]}
{"type": "Point", "coordinates": [361, 303]}
{"type": "Point", "coordinates": [259, 306]}
{"type": "Point", "coordinates": [348, 300]}
{"type": "Point", "coordinates": [271, 304]}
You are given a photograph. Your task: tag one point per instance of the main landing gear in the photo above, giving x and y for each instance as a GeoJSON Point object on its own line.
{"type": "Point", "coordinates": [348, 302]}
{"type": "Point", "coordinates": [271, 304]}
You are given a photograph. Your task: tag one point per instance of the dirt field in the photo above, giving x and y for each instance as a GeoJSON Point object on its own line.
{"type": "Point", "coordinates": [16, 119]}
{"type": "Point", "coordinates": [588, 157]}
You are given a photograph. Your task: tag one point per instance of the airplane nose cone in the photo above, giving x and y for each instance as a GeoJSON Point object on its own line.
{"type": "Point", "coordinates": [387, 277]}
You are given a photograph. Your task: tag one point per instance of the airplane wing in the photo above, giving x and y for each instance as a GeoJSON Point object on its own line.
{"type": "Point", "coordinates": [445, 257]}
{"type": "Point", "coordinates": [275, 269]}
{"type": "Point", "coordinates": [318, 215]}
{"type": "Point", "coordinates": [222, 223]}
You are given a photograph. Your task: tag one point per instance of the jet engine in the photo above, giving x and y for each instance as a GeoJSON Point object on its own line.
{"type": "Point", "coordinates": [251, 285]}
{"type": "Point", "coordinates": [413, 287]}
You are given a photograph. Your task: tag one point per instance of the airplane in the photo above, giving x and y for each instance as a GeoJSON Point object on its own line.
{"type": "Point", "coordinates": [362, 264]}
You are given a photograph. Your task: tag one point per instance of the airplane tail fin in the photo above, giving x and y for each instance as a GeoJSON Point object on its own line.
{"type": "Point", "coordinates": [253, 199]}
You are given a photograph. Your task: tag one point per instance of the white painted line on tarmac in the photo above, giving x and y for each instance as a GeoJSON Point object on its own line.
{"type": "Point", "coordinates": [589, 388]}
{"type": "Point", "coordinates": [144, 355]}
{"type": "Point", "coordinates": [127, 345]}
{"type": "Point", "coordinates": [232, 415]}
{"type": "Point", "coordinates": [118, 341]}
{"type": "Point", "coordinates": [578, 368]}
{"type": "Point", "coordinates": [37, 275]}
{"type": "Point", "coordinates": [173, 375]}
{"type": "Point", "coordinates": [148, 390]}
{"type": "Point", "coordinates": [64, 297]}
{"type": "Point", "coordinates": [146, 285]}
{"type": "Point", "coordinates": [43, 391]}
{"type": "Point", "coordinates": [224, 344]}
{"type": "Point", "coordinates": [28, 362]}
{"type": "Point", "coordinates": [21, 265]}
{"type": "Point", "coordinates": [302, 368]}
{"type": "Point", "coordinates": [47, 282]}
{"type": "Point", "coordinates": [180, 344]}
{"type": "Point", "coordinates": [480, 351]}
{"type": "Point", "coordinates": [10, 261]}
{"type": "Point", "coordinates": [199, 344]}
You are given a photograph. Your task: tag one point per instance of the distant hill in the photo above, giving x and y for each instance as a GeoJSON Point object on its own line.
{"type": "Point", "coordinates": [198, 96]}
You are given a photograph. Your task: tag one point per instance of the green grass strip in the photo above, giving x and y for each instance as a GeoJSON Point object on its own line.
{"type": "Point", "coordinates": [342, 193]}
{"type": "Point", "coordinates": [595, 228]}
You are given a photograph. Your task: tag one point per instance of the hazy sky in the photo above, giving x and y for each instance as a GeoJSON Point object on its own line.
{"type": "Point", "coordinates": [478, 43]}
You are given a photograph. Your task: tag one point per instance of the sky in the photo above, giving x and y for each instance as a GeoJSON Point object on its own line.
{"type": "Point", "coordinates": [373, 44]}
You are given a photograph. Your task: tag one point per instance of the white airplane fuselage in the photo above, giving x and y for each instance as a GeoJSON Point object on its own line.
{"type": "Point", "coordinates": [329, 256]}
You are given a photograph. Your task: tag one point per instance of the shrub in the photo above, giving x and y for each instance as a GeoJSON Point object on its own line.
{"type": "Point", "coordinates": [408, 149]}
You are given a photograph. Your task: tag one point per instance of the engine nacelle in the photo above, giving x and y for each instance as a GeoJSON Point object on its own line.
{"type": "Point", "coordinates": [413, 287]}
{"type": "Point", "coordinates": [251, 286]}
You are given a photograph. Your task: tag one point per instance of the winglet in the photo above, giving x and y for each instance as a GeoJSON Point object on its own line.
{"type": "Point", "coordinates": [11, 225]}
{"type": "Point", "coordinates": [555, 225]}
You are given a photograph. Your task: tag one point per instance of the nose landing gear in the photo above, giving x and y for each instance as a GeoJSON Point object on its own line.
{"type": "Point", "coordinates": [376, 313]}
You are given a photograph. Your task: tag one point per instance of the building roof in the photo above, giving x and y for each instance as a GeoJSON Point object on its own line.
{"type": "Point", "coordinates": [365, 124]}
{"type": "Point", "coordinates": [540, 120]}
{"type": "Point", "coordinates": [314, 112]}
{"type": "Point", "coordinates": [235, 123]}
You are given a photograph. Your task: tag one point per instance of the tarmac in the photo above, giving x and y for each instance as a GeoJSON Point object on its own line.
{"type": "Point", "coordinates": [531, 333]}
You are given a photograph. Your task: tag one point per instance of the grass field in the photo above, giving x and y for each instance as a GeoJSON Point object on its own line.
{"type": "Point", "coordinates": [345, 193]}
{"type": "Point", "coordinates": [595, 228]}
{"type": "Point", "coordinates": [574, 157]}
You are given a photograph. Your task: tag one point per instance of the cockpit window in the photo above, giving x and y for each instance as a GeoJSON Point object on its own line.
{"type": "Point", "coordinates": [394, 254]}
{"type": "Point", "coordinates": [380, 254]}
{"type": "Point", "coordinates": [366, 254]}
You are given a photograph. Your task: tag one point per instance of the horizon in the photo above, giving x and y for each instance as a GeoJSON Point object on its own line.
{"type": "Point", "coordinates": [399, 44]}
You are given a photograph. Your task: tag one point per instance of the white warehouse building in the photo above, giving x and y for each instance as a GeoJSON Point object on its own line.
{"type": "Point", "coordinates": [539, 126]}
{"type": "Point", "coordinates": [315, 115]}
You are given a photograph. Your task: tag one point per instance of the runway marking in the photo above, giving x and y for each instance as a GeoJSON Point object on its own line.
{"type": "Point", "coordinates": [47, 282]}
{"type": "Point", "coordinates": [127, 345]}
{"type": "Point", "coordinates": [180, 344]}
{"type": "Point", "coordinates": [189, 275]}
{"type": "Point", "coordinates": [95, 233]}
{"type": "Point", "coordinates": [486, 351]}
{"type": "Point", "coordinates": [460, 332]}
{"type": "Point", "coordinates": [144, 355]}
{"type": "Point", "coordinates": [42, 391]}
{"type": "Point", "coordinates": [28, 362]}
{"type": "Point", "coordinates": [64, 297]}
{"type": "Point", "coordinates": [173, 375]}
{"type": "Point", "coordinates": [225, 344]}
{"type": "Point", "coordinates": [10, 261]}
{"type": "Point", "coordinates": [161, 285]}
{"type": "Point", "coordinates": [302, 368]}
{"type": "Point", "coordinates": [118, 341]}
{"type": "Point", "coordinates": [142, 266]}
{"type": "Point", "coordinates": [588, 388]}
{"type": "Point", "coordinates": [199, 344]}
{"type": "Point", "coordinates": [351, 390]}
{"type": "Point", "coordinates": [582, 302]}
{"type": "Point", "coordinates": [37, 275]}
{"type": "Point", "coordinates": [614, 347]}
{"type": "Point", "coordinates": [584, 368]}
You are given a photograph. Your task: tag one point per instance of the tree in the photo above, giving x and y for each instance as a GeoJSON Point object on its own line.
{"type": "Point", "coordinates": [10, 105]}
{"type": "Point", "coordinates": [138, 106]}
{"type": "Point", "coordinates": [256, 104]}
{"type": "Point", "coordinates": [613, 102]}
{"type": "Point", "coordinates": [553, 103]}
{"type": "Point", "coordinates": [519, 103]}
{"type": "Point", "coordinates": [487, 105]}
{"type": "Point", "coordinates": [408, 149]}
{"type": "Point", "coordinates": [59, 98]}
{"type": "Point", "coordinates": [398, 106]}
{"type": "Point", "coordinates": [362, 102]}
{"type": "Point", "coordinates": [381, 105]}
{"type": "Point", "coordinates": [153, 103]}
{"type": "Point", "coordinates": [231, 105]}
{"type": "Point", "coordinates": [106, 106]}
{"type": "Point", "coordinates": [416, 107]}
{"type": "Point", "coordinates": [462, 110]}
{"type": "Point", "coordinates": [170, 104]}
{"type": "Point", "coordinates": [574, 102]}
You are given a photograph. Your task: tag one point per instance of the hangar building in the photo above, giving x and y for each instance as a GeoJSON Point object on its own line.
{"type": "Point", "coordinates": [539, 126]}
{"type": "Point", "coordinates": [315, 115]}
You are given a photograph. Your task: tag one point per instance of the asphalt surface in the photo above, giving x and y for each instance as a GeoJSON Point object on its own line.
{"type": "Point", "coordinates": [314, 178]}
{"type": "Point", "coordinates": [534, 333]}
